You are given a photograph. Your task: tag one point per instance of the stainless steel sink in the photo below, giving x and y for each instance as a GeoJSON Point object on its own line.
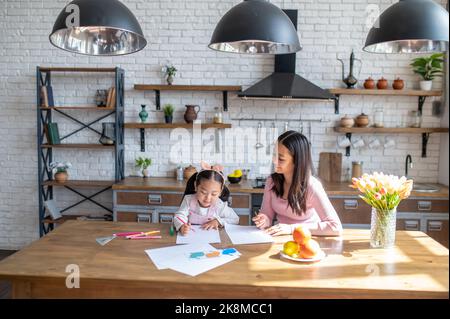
{"type": "Point", "coordinates": [425, 188]}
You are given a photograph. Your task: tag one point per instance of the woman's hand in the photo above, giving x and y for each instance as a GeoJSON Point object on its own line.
{"type": "Point", "coordinates": [212, 224]}
{"type": "Point", "coordinates": [261, 221]}
{"type": "Point", "coordinates": [279, 229]}
{"type": "Point", "coordinates": [184, 229]}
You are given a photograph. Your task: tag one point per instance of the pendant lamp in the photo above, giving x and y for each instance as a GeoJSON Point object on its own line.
{"type": "Point", "coordinates": [410, 26]}
{"type": "Point", "coordinates": [97, 27]}
{"type": "Point", "coordinates": [255, 27]}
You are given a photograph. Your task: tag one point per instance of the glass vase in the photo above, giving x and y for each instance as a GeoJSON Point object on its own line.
{"type": "Point", "coordinates": [382, 228]}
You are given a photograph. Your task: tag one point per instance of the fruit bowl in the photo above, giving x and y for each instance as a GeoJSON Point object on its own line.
{"type": "Point", "coordinates": [234, 180]}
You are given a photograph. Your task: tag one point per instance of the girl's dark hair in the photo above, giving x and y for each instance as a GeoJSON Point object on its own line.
{"type": "Point", "coordinates": [196, 179]}
{"type": "Point", "coordinates": [299, 147]}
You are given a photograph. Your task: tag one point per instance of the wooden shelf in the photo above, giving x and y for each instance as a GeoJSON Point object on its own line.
{"type": "Point", "coordinates": [422, 95]}
{"type": "Point", "coordinates": [173, 125]}
{"type": "Point", "coordinates": [158, 88]}
{"type": "Point", "coordinates": [86, 108]}
{"type": "Point", "coordinates": [340, 91]}
{"type": "Point", "coordinates": [391, 130]}
{"type": "Point", "coordinates": [143, 126]}
{"type": "Point", "coordinates": [425, 131]}
{"type": "Point", "coordinates": [90, 146]}
{"type": "Point", "coordinates": [80, 183]}
{"type": "Point", "coordinates": [146, 87]}
{"type": "Point", "coordinates": [73, 69]}
{"type": "Point", "coordinates": [61, 220]}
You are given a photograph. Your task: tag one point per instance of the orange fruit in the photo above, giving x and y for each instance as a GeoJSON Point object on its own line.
{"type": "Point", "coordinates": [310, 249]}
{"type": "Point", "coordinates": [290, 248]}
{"type": "Point", "coordinates": [301, 235]}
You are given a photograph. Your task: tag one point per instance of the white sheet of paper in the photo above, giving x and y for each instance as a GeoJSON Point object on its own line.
{"type": "Point", "coordinates": [178, 258]}
{"type": "Point", "coordinates": [194, 267]}
{"type": "Point", "coordinates": [160, 256]}
{"type": "Point", "coordinates": [247, 235]}
{"type": "Point", "coordinates": [199, 235]}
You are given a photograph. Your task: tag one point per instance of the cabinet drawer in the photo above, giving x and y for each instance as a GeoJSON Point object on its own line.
{"type": "Point", "coordinates": [239, 201]}
{"type": "Point", "coordinates": [352, 210]}
{"type": "Point", "coordinates": [438, 230]}
{"type": "Point", "coordinates": [166, 218]}
{"type": "Point", "coordinates": [423, 205]}
{"type": "Point", "coordinates": [134, 217]}
{"type": "Point", "coordinates": [147, 198]}
{"type": "Point", "coordinates": [408, 224]}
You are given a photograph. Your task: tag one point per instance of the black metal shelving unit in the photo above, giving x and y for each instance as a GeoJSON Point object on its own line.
{"type": "Point", "coordinates": [45, 151]}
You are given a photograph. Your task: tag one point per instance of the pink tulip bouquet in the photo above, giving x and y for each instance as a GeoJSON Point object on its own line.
{"type": "Point", "coordinates": [384, 193]}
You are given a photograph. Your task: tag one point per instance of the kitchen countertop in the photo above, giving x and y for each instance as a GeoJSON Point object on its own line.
{"type": "Point", "coordinates": [245, 186]}
{"type": "Point", "coordinates": [416, 267]}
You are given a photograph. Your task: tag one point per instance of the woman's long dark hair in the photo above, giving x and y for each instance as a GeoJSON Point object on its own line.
{"type": "Point", "coordinates": [299, 147]}
{"type": "Point", "coordinates": [196, 179]}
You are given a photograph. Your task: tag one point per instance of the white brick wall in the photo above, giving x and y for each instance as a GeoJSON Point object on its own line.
{"type": "Point", "coordinates": [179, 31]}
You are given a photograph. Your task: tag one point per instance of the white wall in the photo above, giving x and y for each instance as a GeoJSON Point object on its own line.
{"type": "Point", "coordinates": [179, 30]}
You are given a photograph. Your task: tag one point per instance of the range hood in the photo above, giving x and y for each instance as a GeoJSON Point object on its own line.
{"type": "Point", "coordinates": [284, 83]}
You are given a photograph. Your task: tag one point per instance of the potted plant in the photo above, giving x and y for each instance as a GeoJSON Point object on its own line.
{"type": "Point", "coordinates": [59, 169]}
{"type": "Point", "coordinates": [428, 68]}
{"type": "Point", "coordinates": [169, 72]}
{"type": "Point", "coordinates": [143, 163]}
{"type": "Point", "coordinates": [168, 112]}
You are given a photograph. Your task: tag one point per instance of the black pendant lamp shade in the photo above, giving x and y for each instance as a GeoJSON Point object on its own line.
{"type": "Point", "coordinates": [410, 26]}
{"type": "Point", "coordinates": [255, 27]}
{"type": "Point", "coordinates": [106, 27]}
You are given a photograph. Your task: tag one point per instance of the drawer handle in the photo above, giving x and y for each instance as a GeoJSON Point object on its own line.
{"type": "Point", "coordinates": [230, 201]}
{"type": "Point", "coordinates": [350, 204]}
{"type": "Point", "coordinates": [144, 218]}
{"type": "Point", "coordinates": [434, 226]}
{"type": "Point", "coordinates": [411, 225]}
{"type": "Point", "coordinates": [166, 219]}
{"type": "Point", "coordinates": [424, 205]}
{"type": "Point", "coordinates": [154, 199]}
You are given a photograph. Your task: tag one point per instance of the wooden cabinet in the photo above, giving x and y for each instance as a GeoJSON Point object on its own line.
{"type": "Point", "coordinates": [352, 211]}
{"type": "Point", "coordinates": [437, 228]}
{"type": "Point", "coordinates": [160, 206]}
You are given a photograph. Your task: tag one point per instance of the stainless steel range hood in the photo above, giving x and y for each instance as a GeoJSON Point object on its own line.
{"type": "Point", "coordinates": [284, 83]}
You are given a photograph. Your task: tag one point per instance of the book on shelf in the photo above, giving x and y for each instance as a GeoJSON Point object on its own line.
{"type": "Point", "coordinates": [47, 96]}
{"type": "Point", "coordinates": [111, 99]}
{"type": "Point", "coordinates": [50, 95]}
{"type": "Point", "coordinates": [52, 133]}
{"type": "Point", "coordinates": [44, 96]}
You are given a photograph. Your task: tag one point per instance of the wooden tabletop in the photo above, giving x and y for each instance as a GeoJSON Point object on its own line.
{"type": "Point", "coordinates": [246, 186]}
{"type": "Point", "coordinates": [417, 267]}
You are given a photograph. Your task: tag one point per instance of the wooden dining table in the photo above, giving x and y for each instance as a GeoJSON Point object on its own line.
{"type": "Point", "coordinates": [416, 267]}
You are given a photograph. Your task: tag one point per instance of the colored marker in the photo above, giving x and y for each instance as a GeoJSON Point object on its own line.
{"type": "Point", "coordinates": [184, 223]}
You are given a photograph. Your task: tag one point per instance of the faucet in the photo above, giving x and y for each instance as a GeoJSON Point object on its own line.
{"type": "Point", "coordinates": [408, 163]}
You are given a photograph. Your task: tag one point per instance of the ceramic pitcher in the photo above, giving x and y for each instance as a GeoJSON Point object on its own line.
{"type": "Point", "coordinates": [191, 113]}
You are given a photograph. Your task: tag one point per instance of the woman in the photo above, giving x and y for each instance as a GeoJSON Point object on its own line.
{"type": "Point", "coordinates": [293, 195]}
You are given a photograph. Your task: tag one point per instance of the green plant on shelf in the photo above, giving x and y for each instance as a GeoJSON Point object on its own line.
{"type": "Point", "coordinates": [429, 67]}
{"type": "Point", "coordinates": [168, 110]}
{"type": "Point", "coordinates": [142, 163]}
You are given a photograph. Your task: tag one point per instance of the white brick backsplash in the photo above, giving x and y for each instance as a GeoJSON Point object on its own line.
{"type": "Point", "coordinates": [179, 31]}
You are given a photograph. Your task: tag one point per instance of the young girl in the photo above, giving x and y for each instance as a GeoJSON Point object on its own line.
{"type": "Point", "coordinates": [293, 195]}
{"type": "Point", "coordinates": [205, 201]}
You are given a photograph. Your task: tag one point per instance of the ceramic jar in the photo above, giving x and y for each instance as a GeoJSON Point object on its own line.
{"type": "Point", "coordinates": [369, 83]}
{"type": "Point", "coordinates": [347, 121]}
{"type": "Point", "coordinates": [398, 84]}
{"type": "Point", "coordinates": [382, 84]}
{"type": "Point", "coordinates": [191, 113]}
{"type": "Point", "coordinates": [362, 120]}
{"type": "Point", "coordinates": [189, 171]}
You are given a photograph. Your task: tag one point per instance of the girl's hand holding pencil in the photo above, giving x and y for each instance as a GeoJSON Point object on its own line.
{"type": "Point", "coordinates": [185, 228]}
